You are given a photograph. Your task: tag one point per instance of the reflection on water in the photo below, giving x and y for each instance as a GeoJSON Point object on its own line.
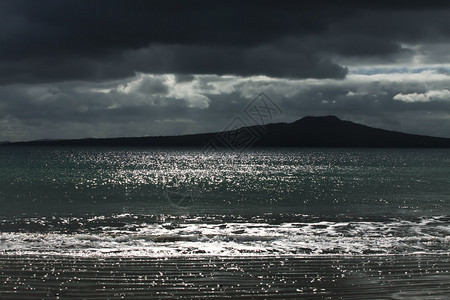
{"type": "Point", "coordinates": [166, 202]}
{"type": "Point", "coordinates": [305, 181]}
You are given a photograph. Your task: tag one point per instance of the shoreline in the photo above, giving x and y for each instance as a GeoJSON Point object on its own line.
{"type": "Point", "coordinates": [333, 276]}
{"type": "Point", "coordinates": [194, 256]}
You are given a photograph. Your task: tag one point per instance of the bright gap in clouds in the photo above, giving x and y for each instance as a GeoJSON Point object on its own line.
{"type": "Point", "coordinates": [433, 95]}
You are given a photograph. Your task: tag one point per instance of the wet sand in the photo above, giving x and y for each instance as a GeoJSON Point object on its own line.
{"type": "Point", "coordinates": [333, 277]}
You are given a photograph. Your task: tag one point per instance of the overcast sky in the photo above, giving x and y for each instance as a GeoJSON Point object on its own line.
{"type": "Point", "coordinates": [73, 69]}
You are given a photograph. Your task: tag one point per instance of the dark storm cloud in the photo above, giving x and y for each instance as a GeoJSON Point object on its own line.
{"type": "Point", "coordinates": [97, 40]}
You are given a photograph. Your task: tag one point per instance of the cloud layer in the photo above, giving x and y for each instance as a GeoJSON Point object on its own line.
{"type": "Point", "coordinates": [161, 105]}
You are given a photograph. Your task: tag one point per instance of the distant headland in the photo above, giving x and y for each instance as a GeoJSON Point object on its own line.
{"type": "Point", "coordinates": [326, 131]}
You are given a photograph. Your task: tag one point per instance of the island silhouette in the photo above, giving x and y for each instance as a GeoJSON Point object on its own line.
{"type": "Point", "coordinates": [324, 131]}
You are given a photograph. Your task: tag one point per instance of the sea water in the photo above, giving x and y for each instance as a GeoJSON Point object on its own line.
{"type": "Point", "coordinates": [163, 202]}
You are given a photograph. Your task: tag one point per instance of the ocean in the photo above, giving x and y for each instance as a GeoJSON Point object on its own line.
{"type": "Point", "coordinates": [260, 205]}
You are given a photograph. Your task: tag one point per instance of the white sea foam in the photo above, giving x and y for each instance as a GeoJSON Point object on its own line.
{"type": "Point", "coordinates": [216, 236]}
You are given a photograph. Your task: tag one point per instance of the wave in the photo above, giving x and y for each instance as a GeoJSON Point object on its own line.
{"type": "Point", "coordinates": [223, 235]}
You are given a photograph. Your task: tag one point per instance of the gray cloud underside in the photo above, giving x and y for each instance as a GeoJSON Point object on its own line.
{"type": "Point", "coordinates": [102, 40]}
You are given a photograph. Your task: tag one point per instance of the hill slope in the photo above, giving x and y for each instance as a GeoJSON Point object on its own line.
{"type": "Point", "coordinates": [327, 131]}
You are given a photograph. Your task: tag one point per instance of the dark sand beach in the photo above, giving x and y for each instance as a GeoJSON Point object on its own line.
{"type": "Point", "coordinates": [329, 277]}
